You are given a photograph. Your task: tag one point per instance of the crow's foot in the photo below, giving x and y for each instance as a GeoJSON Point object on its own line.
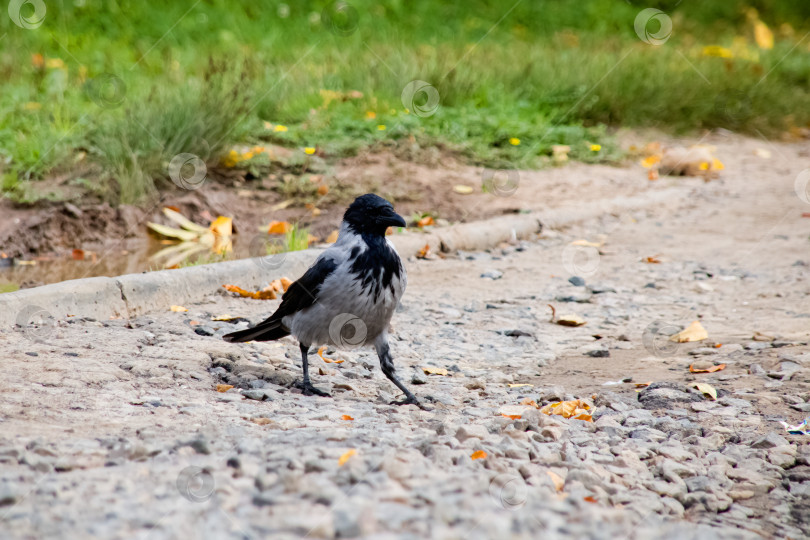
{"type": "Point", "coordinates": [411, 400]}
{"type": "Point", "coordinates": [308, 390]}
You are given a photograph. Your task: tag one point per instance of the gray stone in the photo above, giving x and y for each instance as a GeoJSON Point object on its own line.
{"type": "Point", "coordinates": [770, 440]}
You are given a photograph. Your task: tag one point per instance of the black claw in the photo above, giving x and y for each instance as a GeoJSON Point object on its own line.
{"type": "Point", "coordinates": [411, 400]}
{"type": "Point", "coordinates": [308, 390]}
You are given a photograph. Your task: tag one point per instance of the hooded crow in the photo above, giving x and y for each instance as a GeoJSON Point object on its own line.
{"type": "Point", "coordinates": [347, 297]}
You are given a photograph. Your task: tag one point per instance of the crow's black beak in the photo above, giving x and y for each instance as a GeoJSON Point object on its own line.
{"type": "Point", "coordinates": [393, 220]}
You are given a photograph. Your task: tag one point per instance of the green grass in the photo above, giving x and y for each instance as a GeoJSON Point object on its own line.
{"type": "Point", "coordinates": [126, 85]}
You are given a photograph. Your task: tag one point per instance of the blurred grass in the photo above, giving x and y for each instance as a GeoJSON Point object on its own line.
{"type": "Point", "coordinates": [120, 87]}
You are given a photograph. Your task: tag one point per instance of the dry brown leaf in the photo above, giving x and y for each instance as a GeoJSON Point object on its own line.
{"type": "Point", "coordinates": [345, 457]}
{"type": "Point", "coordinates": [178, 309]}
{"type": "Point", "coordinates": [557, 480]}
{"type": "Point", "coordinates": [434, 371]}
{"type": "Point", "coordinates": [78, 254]}
{"type": "Point", "coordinates": [278, 227]}
{"type": "Point", "coordinates": [576, 408]}
{"type": "Point", "coordinates": [328, 360]}
{"type": "Point", "coordinates": [571, 320]}
{"type": "Point", "coordinates": [694, 332]}
{"type": "Point", "coordinates": [333, 236]}
{"type": "Point", "coordinates": [712, 369]}
{"type": "Point", "coordinates": [423, 253]}
{"type": "Point", "coordinates": [221, 388]}
{"type": "Point", "coordinates": [478, 454]}
{"type": "Point", "coordinates": [264, 294]}
{"type": "Point", "coordinates": [425, 222]}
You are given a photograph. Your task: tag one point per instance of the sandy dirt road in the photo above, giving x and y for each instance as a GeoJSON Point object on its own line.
{"type": "Point", "coordinates": [114, 429]}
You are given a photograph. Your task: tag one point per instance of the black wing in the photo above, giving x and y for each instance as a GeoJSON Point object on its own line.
{"type": "Point", "coordinates": [300, 295]}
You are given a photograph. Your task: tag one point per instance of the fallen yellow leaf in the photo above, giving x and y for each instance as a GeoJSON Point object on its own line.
{"type": "Point", "coordinates": [557, 480]}
{"type": "Point", "coordinates": [265, 294]}
{"type": "Point", "coordinates": [519, 385]}
{"type": "Point", "coordinates": [178, 309]}
{"type": "Point", "coordinates": [577, 409]}
{"type": "Point", "coordinates": [707, 389]}
{"type": "Point", "coordinates": [332, 238]}
{"type": "Point", "coordinates": [434, 371]}
{"type": "Point", "coordinates": [694, 332]}
{"type": "Point", "coordinates": [224, 318]}
{"type": "Point", "coordinates": [462, 189]}
{"type": "Point", "coordinates": [763, 35]}
{"type": "Point", "coordinates": [649, 161]}
{"type": "Point", "coordinates": [222, 226]}
{"type": "Point", "coordinates": [278, 227]}
{"type": "Point", "coordinates": [345, 457]}
{"type": "Point", "coordinates": [221, 388]}
{"type": "Point", "coordinates": [570, 320]}
{"type": "Point", "coordinates": [478, 454]}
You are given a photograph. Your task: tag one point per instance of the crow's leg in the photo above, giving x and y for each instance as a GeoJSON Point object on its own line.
{"type": "Point", "coordinates": [306, 387]}
{"type": "Point", "coordinates": [387, 365]}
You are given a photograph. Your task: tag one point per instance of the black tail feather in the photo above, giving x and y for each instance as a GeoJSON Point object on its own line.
{"type": "Point", "coordinates": [266, 331]}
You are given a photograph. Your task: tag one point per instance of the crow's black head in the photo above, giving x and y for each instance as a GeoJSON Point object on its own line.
{"type": "Point", "coordinates": [371, 214]}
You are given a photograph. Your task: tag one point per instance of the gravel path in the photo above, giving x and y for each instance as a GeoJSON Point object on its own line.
{"type": "Point", "coordinates": [114, 429]}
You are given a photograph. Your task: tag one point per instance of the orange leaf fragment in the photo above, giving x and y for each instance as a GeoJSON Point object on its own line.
{"type": "Point", "coordinates": [323, 189]}
{"type": "Point", "coordinates": [576, 408]}
{"type": "Point", "coordinates": [332, 238]}
{"type": "Point", "coordinates": [589, 498]}
{"type": "Point", "coordinates": [712, 369]}
{"type": "Point", "coordinates": [346, 417]}
{"type": "Point", "coordinates": [425, 222]}
{"type": "Point", "coordinates": [652, 260]}
{"type": "Point", "coordinates": [652, 174]}
{"type": "Point", "coordinates": [221, 388]}
{"type": "Point", "coordinates": [478, 454]}
{"type": "Point", "coordinates": [265, 294]}
{"type": "Point", "coordinates": [278, 227]}
{"type": "Point", "coordinates": [424, 252]}
{"type": "Point", "coordinates": [328, 360]}
{"type": "Point", "coordinates": [642, 384]}
{"type": "Point", "coordinates": [78, 254]}
{"type": "Point", "coordinates": [530, 402]}
{"type": "Point", "coordinates": [345, 457]}
{"type": "Point", "coordinates": [557, 480]}
{"type": "Point", "coordinates": [285, 283]}
{"type": "Point", "coordinates": [718, 345]}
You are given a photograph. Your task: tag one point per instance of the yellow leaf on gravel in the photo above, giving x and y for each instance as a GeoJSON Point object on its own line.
{"type": "Point", "coordinates": [278, 227]}
{"type": "Point", "coordinates": [513, 411]}
{"type": "Point", "coordinates": [585, 243]}
{"type": "Point", "coordinates": [222, 226]}
{"type": "Point", "coordinates": [707, 389]}
{"type": "Point", "coordinates": [649, 161]}
{"type": "Point", "coordinates": [178, 309]}
{"type": "Point", "coordinates": [462, 189]}
{"type": "Point", "coordinates": [434, 371]}
{"type": "Point", "coordinates": [266, 294]}
{"type": "Point", "coordinates": [520, 385]}
{"type": "Point", "coordinates": [694, 332]}
{"type": "Point", "coordinates": [224, 387]}
{"type": "Point", "coordinates": [332, 238]}
{"type": "Point", "coordinates": [576, 408]}
{"type": "Point", "coordinates": [224, 318]}
{"type": "Point", "coordinates": [570, 320]}
{"type": "Point", "coordinates": [345, 457]}
{"type": "Point", "coordinates": [557, 480]}
{"type": "Point", "coordinates": [478, 454]}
